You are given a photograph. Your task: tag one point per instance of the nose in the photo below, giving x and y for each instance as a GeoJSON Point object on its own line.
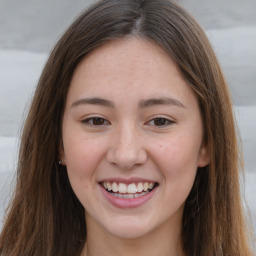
{"type": "Point", "coordinates": [126, 150]}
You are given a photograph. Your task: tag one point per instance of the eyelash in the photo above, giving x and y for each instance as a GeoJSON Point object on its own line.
{"type": "Point", "coordinates": [103, 122]}
{"type": "Point", "coordinates": [166, 121]}
{"type": "Point", "coordinates": [90, 121]}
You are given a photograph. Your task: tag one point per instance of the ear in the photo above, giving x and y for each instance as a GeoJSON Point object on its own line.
{"type": "Point", "coordinates": [62, 159]}
{"type": "Point", "coordinates": [204, 156]}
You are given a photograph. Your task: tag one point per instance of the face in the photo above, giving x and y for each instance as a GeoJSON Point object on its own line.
{"type": "Point", "coordinates": [132, 138]}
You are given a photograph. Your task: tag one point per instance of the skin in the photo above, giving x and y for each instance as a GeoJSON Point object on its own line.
{"type": "Point", "coordinates": [134, 138]}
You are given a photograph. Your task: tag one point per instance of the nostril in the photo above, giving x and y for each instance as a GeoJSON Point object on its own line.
{"type": "Point", "coordinates": [127, 158]}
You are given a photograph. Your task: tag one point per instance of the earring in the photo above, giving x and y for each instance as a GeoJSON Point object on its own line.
{"type": "Point", "coordinates": [60, 162]}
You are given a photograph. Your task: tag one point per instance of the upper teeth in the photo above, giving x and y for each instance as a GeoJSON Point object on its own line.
{"type": "Point", "coordinates": [131, 188]}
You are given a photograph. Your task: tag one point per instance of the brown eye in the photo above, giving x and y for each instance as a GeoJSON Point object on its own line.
{"type": "Point", "coordinates": [160, 122]}
{"type": "Point", "coordinates": [96, 121]}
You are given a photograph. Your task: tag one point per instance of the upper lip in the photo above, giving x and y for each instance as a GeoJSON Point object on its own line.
{"type": "Point", "coordinates": [127, 181]}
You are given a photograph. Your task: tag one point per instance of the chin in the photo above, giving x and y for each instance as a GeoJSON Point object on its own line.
{"type": "Point", "coordinates": [129, 228]}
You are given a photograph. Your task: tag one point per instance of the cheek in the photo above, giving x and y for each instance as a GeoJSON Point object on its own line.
{"type": "Point", "coordinates": [177, 163]}
{"type": "Point", "coordinates": [177, 158]}
{"type": "Point", "coordinates": [82, 155]}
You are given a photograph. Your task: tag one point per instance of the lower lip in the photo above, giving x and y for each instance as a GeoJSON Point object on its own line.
{"type": "Point", "coordinates": [127, 203]}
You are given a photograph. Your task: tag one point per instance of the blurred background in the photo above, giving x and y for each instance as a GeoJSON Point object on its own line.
{"type": "Point", "coordinates": [30, 28]}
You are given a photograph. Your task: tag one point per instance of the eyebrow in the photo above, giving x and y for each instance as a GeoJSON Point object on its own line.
{"type": "Point", "coordinates": [142, 104]}
{"type": "Point", "coordinates": [160, 101]}
{"type": "Point", "coordinates": [94, 101]}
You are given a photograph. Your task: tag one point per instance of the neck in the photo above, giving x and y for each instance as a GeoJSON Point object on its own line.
{"type": "Point", "coordinates": [164, 241]}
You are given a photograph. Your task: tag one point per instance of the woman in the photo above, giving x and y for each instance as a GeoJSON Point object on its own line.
{"type": "Point", "coordinates": [129, 146]}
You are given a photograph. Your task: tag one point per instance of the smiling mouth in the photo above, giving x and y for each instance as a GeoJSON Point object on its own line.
{"type": "Point", "coordinates": [128, 191]}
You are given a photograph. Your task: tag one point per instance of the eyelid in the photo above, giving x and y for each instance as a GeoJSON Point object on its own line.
{"type": "Point", "coordinates": [86, 121]}
{"type": "Point", "coordinates": [168, 119]}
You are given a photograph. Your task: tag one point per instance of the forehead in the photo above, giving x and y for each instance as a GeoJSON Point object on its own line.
{"type": "Point", "coordinates": [128, 67]}
{"type": "Point", "coordinates": [136, 47]}
{"type": "Point", "coordinates": [126, 54]}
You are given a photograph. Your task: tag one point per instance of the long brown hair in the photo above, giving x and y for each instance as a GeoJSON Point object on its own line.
{"type": "Point", "coordinates": [46, 218]}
